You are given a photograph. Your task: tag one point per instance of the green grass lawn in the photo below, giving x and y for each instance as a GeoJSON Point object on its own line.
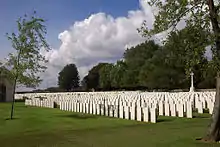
{"type": "Point", "coordinates": [42, 127]}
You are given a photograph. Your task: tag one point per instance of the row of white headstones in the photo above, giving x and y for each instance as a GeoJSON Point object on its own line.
{"type": "Point", "coordinates": [140, 106]}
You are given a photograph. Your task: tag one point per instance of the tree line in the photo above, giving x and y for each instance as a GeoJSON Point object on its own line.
{"type": "Point", "coordinates": [151, 66]}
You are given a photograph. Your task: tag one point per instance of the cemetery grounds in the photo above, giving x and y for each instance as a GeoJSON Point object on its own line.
{"type": "Point", "coordinates": [44, 127]}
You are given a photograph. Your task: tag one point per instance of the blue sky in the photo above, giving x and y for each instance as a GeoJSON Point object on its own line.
{"type": "Point", "coordinates": [60, 14]}
{"type": "Point", "coordinates": [97, 37]}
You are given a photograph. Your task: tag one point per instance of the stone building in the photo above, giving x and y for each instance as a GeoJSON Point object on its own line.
{"type": "Point", "coordinates": [6, 86]}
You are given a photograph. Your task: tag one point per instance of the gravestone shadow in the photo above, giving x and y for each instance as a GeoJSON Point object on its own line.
{"type": "Point", "coordinates": [79, 116]}
{"type": "Point", "coordinates": [159, 120]}
{"type": "Point", "coordinates": [200, 116]}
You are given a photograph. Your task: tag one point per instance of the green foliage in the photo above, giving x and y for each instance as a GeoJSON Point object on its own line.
{"type": "Point", "coordinates": [84, 83]}
{"type": "Point", "coordinates": [135, 58]}
{"type": "Point", "coordinates": [91, 81]}
{"type": "Point", "coordinates": [105, 76]}
{"type": "Point", "coordinates": [151, 66]}
{"type": "Point", "coordinates": [187, 48]}
{"type": "Point", "coordinates": [172, 12]}
{"type": "Point", "coordinates": [68, 77]}
{"type": "Point", "coordinates": [199, 15]}
{"type": "Point", "coordinates": [4, 72]}
{"type": "Point", "coordinates": [118, 74]}
{"type": "Point", "coordinates": [209, 76]}
{"type": "Point", "coordinates": [27, 62]}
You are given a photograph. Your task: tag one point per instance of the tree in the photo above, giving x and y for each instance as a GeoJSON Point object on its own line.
{"type": "Point", "coordinates": [208, 73]}
{"type": "Point", "coordinates": [154, 74]}
{"type": "Point", "coordinates": [118, 74]}
{"type": "Point", "coordinates": [27, 62]}
{"type": "Point", "coordinates": [93, 77]}
{"type": "Point", "coordinates": [200, 13]}
{"type": "Point", "coordinates": [105, 77]}
{"type": "Point", "coordinates": [135, 58]}
{"type": "Point", "coordinates": [185, 55]}
{"type": "Point", "coordinates": [84, 83]}
{"type": "Point", "coordinates": [68, 77]}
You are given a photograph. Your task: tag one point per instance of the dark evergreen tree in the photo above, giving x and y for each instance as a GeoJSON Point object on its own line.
{"type": "Point", "coordinates": [68, 78]}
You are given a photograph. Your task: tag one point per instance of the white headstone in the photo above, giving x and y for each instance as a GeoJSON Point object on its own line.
{"type": "Point", "coordinates": [126, 110]}
{"type": "Point", "coordinates": [167, 109]}
{"type": "Point", "coordinates": [121, 111]}
{"type": "Point", "coordinates": [146, 114]}
{"type": "Point", "coordinates": [161, 108]}
{"type": "Point", "coordinates": [189, 110]}
{"type": "Point", "coordinates": [153, 115]}
{"type": "Point", "coordinates": [139, 113]}
{"type": "Point", "coordinates": [132, 111]}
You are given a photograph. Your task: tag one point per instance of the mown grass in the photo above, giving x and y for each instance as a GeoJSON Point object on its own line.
{"type": "Point", "coordinates": [42, 127]}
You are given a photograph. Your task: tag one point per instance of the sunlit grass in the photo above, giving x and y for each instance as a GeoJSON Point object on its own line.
{"type": "Point", "coordinates": [42, 127]}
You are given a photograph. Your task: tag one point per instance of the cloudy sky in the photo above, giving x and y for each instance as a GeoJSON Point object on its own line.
{"type": "Point", "coordinates": [84, 32]}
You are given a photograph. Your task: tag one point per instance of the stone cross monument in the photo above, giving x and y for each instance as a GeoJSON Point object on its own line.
{"type": "Point", "coordinates": [192, 89]}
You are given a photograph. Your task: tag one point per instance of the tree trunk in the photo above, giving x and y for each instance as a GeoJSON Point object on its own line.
{"type": "Point", "coordinates": [213, 133]}
{"type": "Point", "coordinates": [12, 106]}
{"type": "Point", "coordinates": [13, 99]}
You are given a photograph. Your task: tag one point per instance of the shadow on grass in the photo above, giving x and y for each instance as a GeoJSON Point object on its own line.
{"type": "Point", "coordinates": [164, 120]}
{"type": "Point", "coordinates": [12, 118]}
{"type": "Point", "coordinates": [79, 116]}
{"type": "Point", "coordinates": [110, 128]}
{"type": "Point", "coordinates": [200, 116]}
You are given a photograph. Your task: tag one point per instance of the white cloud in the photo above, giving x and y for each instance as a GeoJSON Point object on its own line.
{"type": "Point", "coordinates": [98, 38]}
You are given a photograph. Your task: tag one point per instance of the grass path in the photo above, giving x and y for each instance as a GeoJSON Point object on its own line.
{"type": "Point", "coordinates": [42, 127]}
